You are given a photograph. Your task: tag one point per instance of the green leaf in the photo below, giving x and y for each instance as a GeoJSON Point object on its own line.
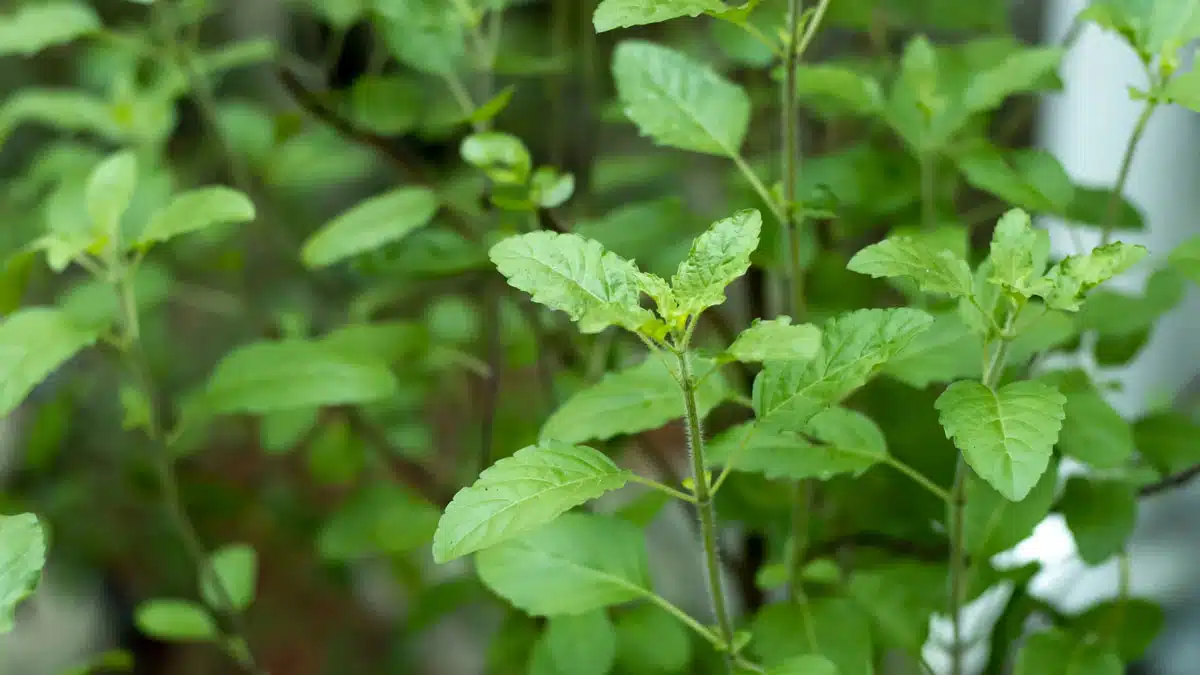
{"type": "Point", "coordinates": [1054, 652]}
{"type": "Point", "coordinates": [34, 342]}
{"type": "Point", "coordinates": [641, 398]}
{"type": "Point", "coordinates": [787, 394]}
{"type": "Point", "coordinates": [776, 340]}
{"type": "Point", "coordinates": [1089, 206]}
{"type": "Point", "coordinates": [992, 523]}
{"type": "Point", "coordinates": [176, 621]}
{"type": "Point", "coordinates": [595, 287]}
{"type": "Point", "coordinates": [947, 351]}
{"type": "Point", "coordinates": [809, 664]}
{"type": "Point", "coordinates": [842, 90]}
{"type": "Point", "coordinates": [503, 157]}
{"type": "Point", "coordinates": [831, 627]}
{"type": "Point", "coordinates": [385, 104]}
{"type": "Point", "coordinates": [379, 519]}
{"type": "Point", "coordinates": [66, 109]}
{"type": "Point", "coordinates": [934, 271]}
{"type": "Point", "coordinates": [550, 188]}
{"type": "Point", "coordinates": [612, 14]}
{"type": "Point", "coordinates": [22, 556]}
{"type": "Point", "coordinates": [651, 642]}
{"type": "Point", "coordinates": [1150, 26]}
{"type": "Point", "coordinates": [679, 102]}
{"type": "Point", "coordinates": [718, 256]}
{"type": "Point", "coordinates": [266, 377]}
{"type": "Point", "coordinates": [901, 597]}
{"type": "Point", "coordinates": [835, 441]}
{"type": "Point", "coordinates": [1021, 71]}
{"type": "Point", "coordinates": [1066, 283]}
{"type": "Point", "coordinates": [1029, 178]}
{"type": "Point", "coordinates": [1184, 90]}
{"type": "Point", "coordinates": [280, 431]}
{"type": "Point", "coordinates": [1186, 259]}
{"type": "Point", "coordinates": [579, 563]}
{"type": "Point", "coordinates": [519, 493]}
{"type": "Point", "coordinates": [196, 210]}
{"type": "Point", "coordinates": [109, 191]}
{"type": "Point", "coordinates": [1014, 244]}
{"type": "Point", "coordinates": [370, 224]}
{"type": "Point", "coordinates": [1092, 432]}
{"type": "Point", "coordinates": [236, 568]}
{"type": "Point", "coordinates": [1007, 435]}
{"type": "Point", "coordinates": [583, 644]}
{"type": "Point", "coordinates": [427, 35]}
{"type": "Point", "coordinates": [1101, 515]}
{"type": "Point", "coordinates": [1168, 441]}
{"type": "Point", "coordinates": [1129, 625]}
{"type": "Point", "coordinates": [35, 27]}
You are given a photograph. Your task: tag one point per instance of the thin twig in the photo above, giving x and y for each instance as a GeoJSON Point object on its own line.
{"type": "Point", "coordinates": [1114, 199]}
{"type": "Point", "coordinates": [1170, 482]}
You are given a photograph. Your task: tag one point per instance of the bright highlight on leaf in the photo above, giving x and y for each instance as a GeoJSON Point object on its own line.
{"type": "Point", "coordinates": [1066, 283]}
{"type": "Point", "coordinates": [1006, 435]}
{"type": "Point", "coordinates": [231, 577]}
{"type": "Point", "coordinates": [776, 340]}
{"type": "Point", "coordinates": [520, 493]}
{"type": "Point", "coordinates": [197, 210]}
{"type": "Point", "coordinates": [373, 223]}
{"type": "Point", "coordinates": [176, 621]}
{"type": "Point", "coordinates": [612, 14]}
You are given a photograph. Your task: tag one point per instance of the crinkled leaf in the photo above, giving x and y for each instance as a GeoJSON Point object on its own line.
{"type": "Point", "coordinates": [1054, 652]}
{"type": "Point", "coordinates": [595, 287]}
{"type": "Point", "coordinates": [1014, 245]}
{"type": "Point", "coordinates": [776, 340]}
{"type": "Point", "coordinates": [582, 644]}
{"type": "Point", "coordinates": [22, 556]}
{"type": "Point", "coordinates": [650, 642]}
{"type": "Point", "coordinates": [612, 14]}
{"type": "Point", "coordinates": [717, 257]}
{"type": "Point", "coordinates": [34, 342]}
{"type": "Point", "coordinates": [1065, 285]}
{"type": "Point", "coordinates": [175, 621]}
{"type": "Point", "coordinates": [853, 347]}
{"type": "Point", "coordinates": [1007, 435]}
{"type": "Point", "coordinates": [934, 271]}
{"type": "Point", "coordinates": [680, 102]}
{"type": "Point", "coordinates": [266, 377]}
{"type": "Point", "coordinates": [578, 563]}
{"type": "Point", "coordinates": [992, 523]}
{"type": "Point", "coordinates": [35, 27]}
{"type": "Point", "coordinates": [236, 569]}
{"type": "Point", "coordinates": [1101, 515]}
{"type": "Point", "coordinates": [640, 398]}
{"type": "Point", "coordinates": [835, 441]}
{"type": "Point", "coordinates": [520, 493]}
{"type": "Point", "coordinates": [196, 210]}
{"type": "Point", "coordinates": [370, 224]}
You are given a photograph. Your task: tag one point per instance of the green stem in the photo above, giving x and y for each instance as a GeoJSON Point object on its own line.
{"type": "Point", "coordinates": [790, 293]}
{"type": "Point", "coordinates": [760, 188]}
{"type": "Point", "coordinates": [168, 480]}
{"type": "Point", "coordinates": [665, 489]}
{"type": "Point", "coordinates": [704, 508]}
{"type": "Point", "coordinates": [1114, 199]}
{"type": "Point", "coordinates": [919, 478]}
{"type": "Point", "coordinates": [928, 192]}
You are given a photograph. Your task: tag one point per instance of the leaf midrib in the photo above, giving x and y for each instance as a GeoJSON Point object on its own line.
{"type": "Point", "coordinates": [680, 104]}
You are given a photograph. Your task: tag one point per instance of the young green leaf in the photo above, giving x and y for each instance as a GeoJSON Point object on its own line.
{"type": "Point", "coordinates": [776, 340]}
{"type": "Point", "coordinates": [1020, 72]}
{"type": "Point", "coordinates": [679, 102]}
{"type": "Point", "coordinates": [566, 272]}
{"type": "Point", "coordinates": [992, 523]}
{"type": "Point", "coordinates": [503, 157]}
{"type": "Point", "coordinates": [520, 493]}
{"type": "Point", "coordinates": [1066, 283]}
{"type": "Point", "coordinates": [35, 27]}
{"type": "Point", "coordinates": [582, 644]}
{"type": "Point", "coordinates": [196, 210]}
{"type": "Point", "coordinates": [34, 342]}
{"type": "Point", "coordinates": [718, 256]}
{"type": "Point", "coordinates": [236, 569]}
{"type": "Point", "coordinates": [612, 14]}
{"type": "Point", "coordinates": [809, 664]}
{"type": "Point", "coordinates": [640, 398]}
{"type": "Point", "coordinates": [377, 519]}
{"type": "Point", "coordinates": [578, 563]}
{"type": "Point", "coordinates": [835, 441]}
{"type": "Point", "coordinates": [176, 621]}
{"type": "Point", "coordinates": [831, 627]}
{"type": "Point", "coordinates": [265, 377]}
{"type": "Point", "coordinates": [1013, 253]}
{"type": "Point", "coordinates": [853, 347]}
{"type": "Point", "coordinates": [1055, 652]}
{"type": "Point", "coordinates": [109, 191]}
{"type": "Point", "coordinates": [379, 220]}
{"type": "Point", "coordinates": [948, 351]}
{"type": "Point", "coordinates": [651, 642]}
{"type": "Point", "coordinates": [22, 556]}
{"type": "Point", "coordinates": [934, 271]}
{"type": "Point", "coordinates": [1101, 515]}
{"type": "Point", "coordinates": [549, 188]}
{"type": "Point", "coordinates": [1007, 435]}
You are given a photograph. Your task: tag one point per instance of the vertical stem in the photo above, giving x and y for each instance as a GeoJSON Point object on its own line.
{"type": "Point", "coordinates": [928, 192]}
{"type": "Point", "coordinates": [169, 482]}
{"type": "Point", "coordinates": [1139, 129]}
{"type": "Point", "coordinates": [704, 508]}
{"type": "Point", "coordinates": [789, 292]}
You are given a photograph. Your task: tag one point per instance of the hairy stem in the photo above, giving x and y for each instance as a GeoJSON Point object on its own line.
{"type": "Point", "coordinates": [1114, 199]}
{"type": "Point", "coordinates": [135, 359]}
{"type": "Point", "coordinates": [704, 508]}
